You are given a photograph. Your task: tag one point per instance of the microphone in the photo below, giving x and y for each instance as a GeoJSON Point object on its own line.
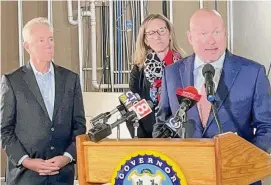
{"type": "Point", "coordinates": [187, 98]}
{"type": "Point", "coordinates": [137, 111]}
{"type": "Point", "coordinates": [208, 72]}
{"type": "Point", "coordinates": [127, 100]}
{"type": "Point", "coordinates": [174, 129]}
{"type": "Point", "coordinates": [177, 125]}
{"type": "Point", "coordinates": [167, 130]}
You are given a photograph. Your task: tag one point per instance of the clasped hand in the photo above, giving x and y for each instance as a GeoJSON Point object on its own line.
{"type": "Point", "coordinates": [46, 167]}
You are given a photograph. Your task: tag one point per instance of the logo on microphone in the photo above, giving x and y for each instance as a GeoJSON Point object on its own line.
{"type": "Point", "coordinates": [142, 109]}
{"type": "Point", "coordinates": [174, 124]}
{"type": "Point", "coordinates": [189, 94]}
{"type": "Point", "coordinates": [128, 99]}
{"type": "Point", "coordinates": [148, 168]}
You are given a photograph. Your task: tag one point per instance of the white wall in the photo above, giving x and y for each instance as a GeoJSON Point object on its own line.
{"type": "Point", "coordinates": [252, 30]}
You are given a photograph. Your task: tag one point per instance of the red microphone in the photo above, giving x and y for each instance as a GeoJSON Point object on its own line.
{"type": "Point", "coordinates": [187, 97]}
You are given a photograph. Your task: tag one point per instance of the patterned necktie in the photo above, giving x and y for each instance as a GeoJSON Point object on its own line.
{"type": "Point", "coordinates": [204, 107]}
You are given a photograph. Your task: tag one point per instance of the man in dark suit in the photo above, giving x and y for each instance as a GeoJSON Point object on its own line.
{"type": "Point", "coordinates": [41, 114]}
{"type": "Point", "coordinates": [243, 97]}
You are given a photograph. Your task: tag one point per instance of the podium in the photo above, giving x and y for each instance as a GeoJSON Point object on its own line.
{"type": "Point", "coordinates": [225, 160]}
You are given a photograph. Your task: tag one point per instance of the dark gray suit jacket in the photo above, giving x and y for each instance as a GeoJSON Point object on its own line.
{"type": "Point", "coordinates": [26, 128]}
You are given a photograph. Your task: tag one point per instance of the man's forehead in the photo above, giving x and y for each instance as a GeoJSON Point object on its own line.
{"type": "Point", "coordinates": [198, 28]}
{"type": "Point", "coordinates": [206, 24]}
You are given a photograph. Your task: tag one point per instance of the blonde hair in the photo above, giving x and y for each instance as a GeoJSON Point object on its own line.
{"type": "Point", "coordinates": [142, 49]}
{"type": "Point", "coordinates": [28, 26]}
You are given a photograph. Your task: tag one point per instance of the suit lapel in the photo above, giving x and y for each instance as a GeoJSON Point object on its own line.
{"type": "Point", "coordinates": [229, 73]}
{"type": "Point", "coordinates": [59, 88]}
{"type": "Point", "coordinates": [186, 73]}
{"type": "Point", "coordinates": [32, 84]}
{"type": "Point", "coordinates": [187, 77]}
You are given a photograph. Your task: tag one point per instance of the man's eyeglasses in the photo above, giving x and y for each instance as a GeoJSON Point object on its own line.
{"type": "Point", "coordinates": [161, 31]}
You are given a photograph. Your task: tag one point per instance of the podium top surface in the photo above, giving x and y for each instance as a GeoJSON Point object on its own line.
{"type": "Point", "coordinates": [152, 142]}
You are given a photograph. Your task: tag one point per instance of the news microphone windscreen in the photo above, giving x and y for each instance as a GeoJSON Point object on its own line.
{"type": "Point", "coordinates": [189, 92]}
{"type": "Point", "coordinates": [208, 68]}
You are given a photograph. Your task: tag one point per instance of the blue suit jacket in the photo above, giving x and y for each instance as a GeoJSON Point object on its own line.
{"type": "Point", "coordinates": [243, 99]}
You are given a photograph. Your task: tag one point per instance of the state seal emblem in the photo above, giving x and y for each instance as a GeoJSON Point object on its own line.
{"type": "Point", "coordinates": [148, 168]}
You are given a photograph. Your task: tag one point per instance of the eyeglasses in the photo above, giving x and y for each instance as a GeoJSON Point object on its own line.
{"type": "Point", "coordinates": [161, 31]}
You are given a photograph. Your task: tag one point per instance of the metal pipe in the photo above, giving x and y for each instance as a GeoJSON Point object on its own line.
{"type": "Point", "coordinates": [164, 8]}
{"type": "Point", "coordinates": [111, 43]}
{"type": "Point", "coordinates": [70, 16]}
{"type": "Point", "coordinates": [142, 10]}
{"type": "Point", "coordinates": [100, 68]}
{"type": "Point", "coordinates": [80, 45]}
{"type": "Point", "coordinates": [121, 40]}
{"type": "Point", "coordinates": [87, 13]}
{"type": "Point", "coordinates": [230, 25]}
{"type": "Point", "coordinates": [215, 5]}
{"type": "Point", "coordinates": [90, 68]}
{"type": "Point", "coordinates": [102, 27]}
{"type": "Point", "coordinates": [118, 38]}
{"type": "Point", "coordinates": [171, 11]}
{"type": "Point", "coordinates": [93, 44]}
{"type": "Point", "coordinates": [133, 27]}
{"type": "Point", "coordinates": [122, 71]}
{"type": "Point", "coordinates": [20, 29]}
{"type": "Point", "coordinates": [107, 54]}
{"type": "Point", "coordinates": [114, 24]}
{"type": "Point", "coordinates": [201, 4]}
{"type": "Point", "coordinates": [127, 49]}
{"type": "Point", "coordinates": [50, 11]}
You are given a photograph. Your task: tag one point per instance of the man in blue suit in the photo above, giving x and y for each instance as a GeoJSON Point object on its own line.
{"type": "Point", "coordinates": [243, 97]}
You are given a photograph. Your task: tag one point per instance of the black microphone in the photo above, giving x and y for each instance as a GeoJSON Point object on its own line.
{"type": "Point", "coordinates": [138, 111]}
{"type": "Point", "coordinates": [176, 126]}
{"type": "Point", "coordinates": [101, 131]}
{"type": "Point", "coordinates": [172, 129]}
{"type": "Point", "coordinates": [208, 72]}
{"type": "Point", "coordinates": [127, 100]}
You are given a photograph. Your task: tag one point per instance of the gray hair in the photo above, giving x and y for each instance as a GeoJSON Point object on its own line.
{"type": "Point", "coordinates": [28, 26]}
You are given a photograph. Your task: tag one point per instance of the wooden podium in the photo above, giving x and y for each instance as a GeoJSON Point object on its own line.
{"type": "Point", "coordinates": [225, 160]}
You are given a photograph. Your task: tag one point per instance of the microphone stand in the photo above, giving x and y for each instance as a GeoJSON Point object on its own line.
{"type": "Point", "coordinates": [214, 110]}
{"type": "Point", "coordinates": [135, 125]}
{"type": "Point", "coordinates": [118, 130]}
{"type": "Point", "coordinates": [218, 123]}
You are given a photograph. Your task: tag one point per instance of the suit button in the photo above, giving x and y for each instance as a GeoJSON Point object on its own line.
{"type": "Point", "coordinates": [52, 148]}
{"type": "Point", "coordinates": [52, 129]}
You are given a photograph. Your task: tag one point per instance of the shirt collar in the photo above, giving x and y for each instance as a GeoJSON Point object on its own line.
{"type": "Point", "coordinates": [218, 64]}
{"type": "Point", "coordinates": [51, 69]}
